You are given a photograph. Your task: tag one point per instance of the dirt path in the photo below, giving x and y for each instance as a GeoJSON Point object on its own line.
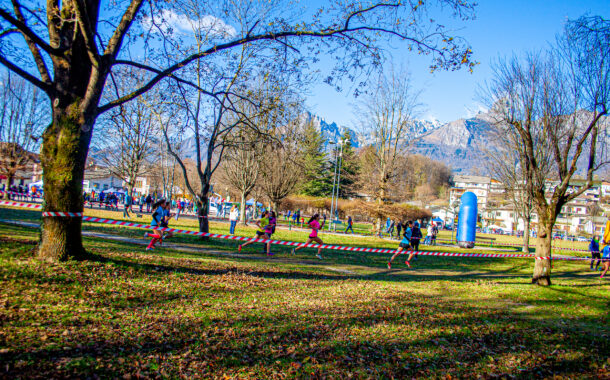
{"type": "Point", "coordinates": [191, 249]}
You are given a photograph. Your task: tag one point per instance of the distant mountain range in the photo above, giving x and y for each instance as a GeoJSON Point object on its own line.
{"type": "Point", "coordinates": [459, 143]}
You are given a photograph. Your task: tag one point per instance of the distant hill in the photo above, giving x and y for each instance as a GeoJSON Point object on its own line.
{"type": "Point", "coordinates": [459, 143]}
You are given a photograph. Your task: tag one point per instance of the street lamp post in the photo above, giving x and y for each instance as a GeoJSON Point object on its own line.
{"type": "Point", "coordinates": [455, 205]}
{"type": "Point", "coordinates": [332, 195]}
{"type": "Point", "coordinates": [334, 200]}
{"type": "Point", "coordinates": [338, 181]}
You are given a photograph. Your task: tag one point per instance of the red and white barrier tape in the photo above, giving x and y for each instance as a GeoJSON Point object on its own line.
{"type": "Point", "coordinates": [19, 204]}
{"type": "Point", "coordinates": [517, 245]}
{"type": "Point", "coordinates": [296, 244]}
{"type": "Point", "coordinates": [46, 213]}
{"type": "Point", "coordinates": [63, 214]}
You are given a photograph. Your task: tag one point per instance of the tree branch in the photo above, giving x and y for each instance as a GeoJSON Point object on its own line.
{"type": "Point", "coordinates": [27, 76]}
{"type": "Point", "coordinates": [23, 28]}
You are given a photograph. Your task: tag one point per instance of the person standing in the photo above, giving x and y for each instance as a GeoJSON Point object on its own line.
{"type": "Point", "coordinates": [314, 224]}
{"type": "Point", "coordinates": [126, 205]}
{"type": "Point", "coordinates": [404, 245]}
{"type": "Point", "coordinates": [391, 229]}
{"type": "Point", "coordinates": [148, 202]}
{"type": "Point", "coordinates": [398, 228]}
{"type": "Point", "coordinates": [434, 233]}
{"type": "Point", "coordinates": [350, 223]}
{"type": "Point", "coordinates": [270, 230]}
{"type": "Point", "coordinates": [233, 217]}
{"type": "Point", "coordinates": [595, 253]}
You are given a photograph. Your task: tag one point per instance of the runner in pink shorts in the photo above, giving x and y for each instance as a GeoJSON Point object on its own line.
{"type": "Point", "coordinates": [314, 224]}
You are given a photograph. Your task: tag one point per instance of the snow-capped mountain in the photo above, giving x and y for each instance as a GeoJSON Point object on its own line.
{"type": "Point", "coordinates": [460, 143]}
{"type": "Point", "coordinates": [332, 132]}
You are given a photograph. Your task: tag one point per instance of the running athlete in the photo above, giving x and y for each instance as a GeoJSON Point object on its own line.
{"type": "Point", "coordinates": [167, 215]}
{"type": "Point", "coordinates": [269, 230]}
{"type": "Point", "coordinates": [157, 219]}
{"type": "Point", "coordinates": [314, 224]}
{"type": "Point", "coordinates": [405, 245]}
{"type": "Point", "coordinates": [260, 233]}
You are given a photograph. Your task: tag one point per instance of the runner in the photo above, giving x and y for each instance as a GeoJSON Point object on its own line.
{"type": "Point", "coordinates": [416, 236]}
{"type": "Point", "coordinates": [260, 234]}
{"type": "Point", "coordinates": [315, 225]}
{"type": "Point", "coordinates": [270, 230]}
{"type": "Point", "coordinates": [167, 215]}
{"type": "Point", "coordinates": [405, 244]}
{"type": "Point", "coordinates": [157, 218]}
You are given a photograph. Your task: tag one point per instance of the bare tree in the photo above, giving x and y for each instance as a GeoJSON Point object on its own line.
{"type": "Point", "coordinates": [129, 137]}
{"type": "Point", "coordinates": [386, 113]}
{"type": "Point", "coordinates": [281, 163]}
{"type": "Point", "coordinates": [241, 166]}
{"type": "Point", "coordinates": [22, 120]}
{"type": "Point", "coordinates": [505, 165]}
{"type": "Point", "coordinates": [74, 47]}
{"type": "Point", "coordinates": [554, 103]}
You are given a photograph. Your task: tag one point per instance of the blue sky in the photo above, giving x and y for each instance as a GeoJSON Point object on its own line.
{"type": "Point", "coordinates": [500, 29]}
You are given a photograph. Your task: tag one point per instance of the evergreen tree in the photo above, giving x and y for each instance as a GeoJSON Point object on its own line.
{"type": "Point", "coordinates": [317, 178]}
{"type": "Point", "coordinates": [350, 168]}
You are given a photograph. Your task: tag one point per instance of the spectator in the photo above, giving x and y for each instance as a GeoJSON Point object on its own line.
{"type": "Point", "coordinates": [233, 217]}
{"type": "Point", "coordinates": [595, 253]}
{"type": "Point", "coordinates": [349, 225]}
{"type": "Point", "coordinates": [126, 205]}
{"type": "Point", "coordinates": [148, 202]}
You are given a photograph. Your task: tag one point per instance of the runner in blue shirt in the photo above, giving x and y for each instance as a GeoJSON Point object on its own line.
{"type": "Point", "coordinates": [405, 245]}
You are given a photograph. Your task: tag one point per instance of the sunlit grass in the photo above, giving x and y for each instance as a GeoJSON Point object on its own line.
{"type": "Point", "coordinates": [204, 314]}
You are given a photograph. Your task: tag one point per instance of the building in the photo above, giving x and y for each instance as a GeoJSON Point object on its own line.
{"type": "Point", "coordinates": [496, 210]}
{"type": "Point", "coordinates": [480, 186]}
{"type": "Point", "coordinates": [24, 165]}
{"type": "Point", "coordinates": [99, 178]}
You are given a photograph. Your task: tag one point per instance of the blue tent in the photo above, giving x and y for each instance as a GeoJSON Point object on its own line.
{"type": "Point", "coordinates": [250, 202]}
{"type": "Point", "coordinates": [437, 220]}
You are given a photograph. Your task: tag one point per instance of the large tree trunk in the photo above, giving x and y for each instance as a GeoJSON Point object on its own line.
{"type": "Point", "coordinates": [542, 267]}
{"type": "Point", "coordinates": [64, 151]}
{"type": "Point", "coordinates": [203, 208]}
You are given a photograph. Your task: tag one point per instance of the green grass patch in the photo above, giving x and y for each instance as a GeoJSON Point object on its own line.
{"type": "Point", "coordinates": [205, 313]}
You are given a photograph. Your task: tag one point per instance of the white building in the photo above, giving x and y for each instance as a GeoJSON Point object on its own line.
{"type": "Point", "coordinates": [99, 179]}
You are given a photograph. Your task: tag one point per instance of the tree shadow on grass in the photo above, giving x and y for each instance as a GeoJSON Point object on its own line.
{"type": "Point", "coordinates": [455, 338]}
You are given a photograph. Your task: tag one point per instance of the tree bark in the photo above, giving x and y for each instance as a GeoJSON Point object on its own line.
{"type": "Point", "coordinates": [542, 267]}
{"type": "Point", "coordinates": [63, 155]}
{"type": "Point", "coordinates": [526, 235]}
{"type": "Point", "coordinates": [242, 209]}
{"type": "Point", "coordinates": [9, 182]}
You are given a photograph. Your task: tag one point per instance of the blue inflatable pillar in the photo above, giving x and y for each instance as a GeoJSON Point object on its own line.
{"type": "Point", "coordinates": [467, 220]}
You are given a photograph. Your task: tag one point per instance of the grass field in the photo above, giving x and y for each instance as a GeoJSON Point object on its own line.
{"type": "Point", "coordinates": [204, 313]}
